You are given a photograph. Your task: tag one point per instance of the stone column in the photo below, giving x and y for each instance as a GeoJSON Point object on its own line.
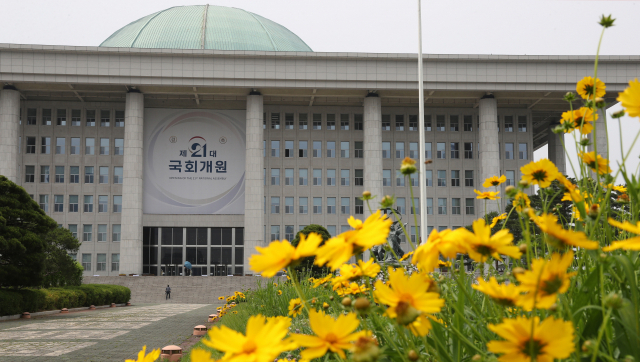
{"type": "Point", "coordinates": [131, 244]}
{"type": "Point", "coordinates": [373, 149]}
{"type": "Point", "coordinates": [253, 183]}
{"type": "Point", "coordinates": [555, 151]}
{"type": "Point", "coordinates": [601, 138]}
{"type": "Point", "coordinates": [489, 150]}
{"type": "Point", "coordinates": [9, 126]}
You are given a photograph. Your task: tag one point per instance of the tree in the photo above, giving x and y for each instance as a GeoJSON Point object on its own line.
{"type": "Point", "coordinates": [59, 268]}
{"type": "Point", "coordinates": [306, 265]}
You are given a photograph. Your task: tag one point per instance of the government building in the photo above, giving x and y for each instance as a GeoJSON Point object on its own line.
{"type": "Point", "coordinates": [200, 132]}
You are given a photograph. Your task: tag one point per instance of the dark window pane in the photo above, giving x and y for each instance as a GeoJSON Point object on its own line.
{"type": "Point", "coordinates": [167, 236]}
{"type": "Point", "coordinates": [226, 236]}
{"type": "Point", "coordinates": [166, 256]}
{"type": "Point", "coordinates": [239, 256]}
{"type": "Point", "coordinates": [145, 269]}
{"type": "Point", "coordinates": [216, 236]}
{"type": "Point", "coordinates": [176, 258]}
{"type": "Point", "coordinates": [153, 238]}
{"type": "Point", "coordinates": [202, 256]}
{"type": "Point", "coordinates": [177, 236]}
{"type": "Point", "coordinates": [191, 255]}
{"type": "Point", "coordinates": [215, 256]}
{"type": "Point", "coordinates": [226, 255]}
{"type": "Point", "coordinates": [153, 256]}
{"type": "Point", "coordinates": [191, 237]}
{"type": "Point", "coordinates": [240, 237]}
{"type": "Point", "coordinates": [239, 270]}
{"type": "Point", "coordinates": [145, 236]}
{"type": "Point", "coordinates": [202, 236]}
{"type": "Point", "coordinates": [145, 255]}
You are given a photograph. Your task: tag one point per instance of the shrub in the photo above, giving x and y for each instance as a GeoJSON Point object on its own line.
{"type": "Point", "coordinates": [306, 266]}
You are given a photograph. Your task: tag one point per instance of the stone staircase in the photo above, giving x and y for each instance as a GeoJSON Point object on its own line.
{"type": "Point", "coordinates": [189, 290]}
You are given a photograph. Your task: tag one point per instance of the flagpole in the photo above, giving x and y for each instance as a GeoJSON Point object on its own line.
{"type": "Point", "coordinates": [421, 178]}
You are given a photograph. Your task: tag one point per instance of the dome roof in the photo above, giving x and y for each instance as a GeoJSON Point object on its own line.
{"type": "Point", "coordinates": [206, 27]}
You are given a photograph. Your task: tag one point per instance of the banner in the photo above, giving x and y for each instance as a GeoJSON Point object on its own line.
{"type": "Point", "coordinates": [193, 161]}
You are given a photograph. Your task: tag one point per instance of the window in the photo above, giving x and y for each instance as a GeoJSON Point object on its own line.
{"type": "Point", "coordinates": [117, 203]}
{"type": "Point", "coordinates": [344, 122]}
{"type": "Point", "coordinates": [400, 178]}
{"type": "Point", "coordinates": [455, 178]}
{"type": "Point", "coordinates": [31, 116]}
{"type": "Point", "coordinates": [288, 205]}
{"type": "Point", "coordinates": [427, 122]}
{"type": "Point", "coordinates": [511, 178]}
{"type": "Point", "coordinates": [117, 175]}
{"type": "Point", "coordinates": [119, 119]}
{"type": "Point", "coordinates": [413, 123]}
{"type": "Point", "coordinates": [87, 232]}
{"type": "Point", "coordinates": [46, 117]}
{"type": "Point", "coordinates": [103, 176]}
{"type": "Point", "coordinates": [302, 148]}
{"type": "Point", "coordinates": [427, 150]}
{"type": "Point", "coordinates": [401, 205]}
{"type": "Point", "coordinates": [455, 150]}
{"type": "Point", "coordinates": [275, 148]}
{"type": "Point", "coordinates": [414, 177]}
{"type": "Point", "coordinates": [275, 232]}
{"type": "Point", "coordinates": [73, 203]}
{"type": "Point", "coordinates": [59, 174]}
{"type": "Point", "coordinates": [413, 234]}
{"type": "Point", "coordinates": [31, 145]}
{"type": "Point", "coordinates": [317, 205]}
{"type": "Point", "coordinates": [468, 150]}
{"type": "Point", "coordinates": [303, 205]}
{"type": "Point", "coordinates": [386, 149]}
{"type": "Point", "coordinates": [118, 146]}
{"type": "Point", "coordinates": [317, 121]}
{"type": "Point", "coordinates": [522, 123]}
{"type": "Point", "coordinates": [386, 177]}
{"type": "Point", "coordinates": [468, 123]}
{"type": "Point", "coordinates": [359, 206]}
{"type": "Point", "coordinates": [331, 229]}
{"type": "Point", "coordinates": [331, 149]}
{"type": "Point", "coordinates": [88, 203]}
{"type": "Point", "coordinates": [103, 204]}
{"type": "Point", "coordinates": [75, 146]}
{"type": "Point", "coordinates": [331, 205]}
{"type": "Point", "coordinates": [359, 178]}
{"type": "Point", "coordinates": [105, 118]}
{"type": "Point", "coordinates": [440, 123]}
{"type": "Point", "coordinates": [102, 233]}
{"type": "Point", "coordinates": [45, 145]}
{"type": "Point", "coordinates": [116, 233]}
{"type": "Point", "coordinates": [399, 122]}
{"type": "Point", "coordinates": [29, 173]}
{"type": "Point", "coordinates": [508, 123]}
{"type": "Point", "coordinates": [275, 176]}
{"type": "Point", "coordinates": [358, 122]}
{"type": "Point", "coordinates": [358, 149]}
{"type": "Point", "coordinates": [61, 117]}
{"type": "Point", "coordinates": [344, 177]}
{"type": "Point", "coordinates": [288, 177]}
{"type": "Point", "coordinates": [275, 120]}
{"type": "Point", "coordinates": [44, 203]}
{"type": "Point", "coordinates": [317, 177]}
{"type": "Point", "coordinates": [88, 174]}
{"type": "Point", "coordinates": [86, 262]}
{"type": "Point", "coordinates": [58, 203]}
{"type": "Point", "coordinates": [508, 151]}
{"type": "Point", "coordinates": [413, 150]}
{"type": "Point", "coordinates": [264, 125]}
{"type": "Point", "coordinates": [89, 146]}
{"type": "Point", "coordinates": [468, 178]}
{"type": "Point", "coordinates": [302, 176]}
{"type": "Point", "coordinates": [415, 207]}
{"type": "Point", "coordinates": [288, 149]}
{"type": "Point", "coordinates": [455, 206]}
{"type": "Point", "coordinates": [442, 178]}
{"type": "Point", "coordinates": [469, 206]}
{"type": "Point", "coordinates": [60, 145]}
{"type": "Point", "coordinates": [344, 149]}
{"type": "Point", "coordinates": [44, 174]}
{"type": "Point", "coordinates": [275, 204]}
{"type": "Point", "coordinates": [74, 230]}
{"type": "Point", "coordinates": [288, 121]}
{"type": "Point", "coordinates": [91, 118]}
{"type": "Point", "coordinates": [317, 149]}
{"type": "Point", "coordinates": [428, 176]}
{"type": "Point", "coordinates": [400, 150]}
{"type": "Point", "coordinates": [522, 151]}
{"type": "Point", "coordinates": [115, 261]}
{"type": "Point", "coordinates": [442, 206]}
{"type": "Point", "coordinates": [345, 208]}
{"type": "Point", "coordinates": [331, 122]}
{"type": "Point", "coordinates": [75, 117]}
{"type": "Point", "coordinates": [288, 232]}
{"type": "Point", "coordinates": [386, 122]}
{"type": "Point", "coordinates": [441, 151]}
{"type": "Point", "coordinates": [302, 121]}
{"type": "Point", "coordinates": [331, 177]}
{"type": "Point", "coordinates": [453, 124]}
{"type": "Point", "coordinates": [74, 174]}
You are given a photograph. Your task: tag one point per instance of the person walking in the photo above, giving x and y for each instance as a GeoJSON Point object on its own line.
{"type": "Point", "coordinates": [167, 292]}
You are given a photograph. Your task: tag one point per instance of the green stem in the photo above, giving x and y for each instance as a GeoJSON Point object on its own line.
{"type": "Point", "coordinates": [600, 333]}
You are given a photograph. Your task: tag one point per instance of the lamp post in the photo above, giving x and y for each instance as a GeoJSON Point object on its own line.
{"type": "Point", "coordinates": [421, 178]}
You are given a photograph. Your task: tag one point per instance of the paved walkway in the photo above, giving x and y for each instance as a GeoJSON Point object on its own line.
{"type": "Point", "coordinates": [111, 334]}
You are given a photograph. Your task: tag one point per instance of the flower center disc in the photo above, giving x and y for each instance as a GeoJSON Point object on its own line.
{"type": "Point", "coordinates": [249, 347]}
{"type": "Point", "coordinates": [331, 338]}
{"type": "Point", "coordinates": [539, 175]}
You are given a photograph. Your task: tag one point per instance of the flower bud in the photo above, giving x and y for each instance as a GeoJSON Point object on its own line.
{"type": "Point", "coordinates": [554, 209]}
{"type": "Point", "coordinates": [585, 142]}
{"type": "Point", "coordinates": [628, 359]}
{"type": "Point", "coordinates": [553, 307]}
{"type": "Point", "coordinates": [594, 210]}
{"type": "Point", "coordinates": [413, 355]}
{"type": "Point", "coordinates": [325, 305]}
{"type": "Point", "coordinates": [362, 304]}
{"type": "Point", "coordinates": [518, 270]}
{"type": "Point", "coordinates": [313, 301]}
{"type": "Point", "coordinates": [366, 195]}
{"type": "Point", "coordinates": [387, 202]}
{"type": "Point", "coordinates": [365, 349]}
{"type": "Point", "coordinates": [331, 297]}
{"type": "Point", "coordinates": [408, 166]}
{"type": "Point", "coordinates": [406, 313]}
{"type": "Point", "coordinates": [587, 346]}
{"type": "Point", "coordinates": [523, 248]}
{"type": "Point", "coordinates": [606, 21]}
{"type": "Point", "coordinates": [600, 103]}
{"type": "Point", "coordinates": [559, 129]}
{"type": "Point", "coordinates": [524, 183]}
{"type": "Point", "coordinates": [510, 191]}
{"type": "Point", "coordinates": [613, 301]}
{"type": "Point", "coordinates": [569, 97]}
{"type": "Point", "coordinates": [476, 358]}
{"type": "Point", "coordinates": [346, 302]}
{"type": "Point", "coordinates": [618, 114]}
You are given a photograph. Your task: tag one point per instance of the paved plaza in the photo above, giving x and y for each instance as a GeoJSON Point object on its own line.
{"type": "Point", "coordinates": [110, 334]}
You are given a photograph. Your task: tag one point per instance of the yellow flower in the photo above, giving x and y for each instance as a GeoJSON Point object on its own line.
{"type": "Point", "coordinates": [352, 288]}
{"type": "Point", "coordinates": [263, 342]}
{"type": "Point", "coordinates": [280, 254]}
{"type": "Point", "coordinates": [521, 201]}
{"type": "Point", "coordinates": [279, 292]}
{"type": "Point", "coordinates": [421, 326]}
{"type": "Point", "coordinates": [620, 189]}
{"type": "Point", "coordinates": [335, 335]}
{"type": "Point", "coordinates": [495, 220]}
{"type": "Point", "coordinates": [561, 238]}
{"type": "Point", "coordinates": [325, 305]}
{"type": "Point", "coordinates": [494, 181]}
{"type": "Point", "coordinates": [629, 244]}
{"type": "Point", "coordinates": [445, 264]}
{"type": "Point", "coordinates": [630, 98]}
{"type": "Point", "coordinates": [355, 223]}
{"type": "Point", "coordinates": [545, 280]}
{"type": "Point", "coordinates": [581, 119]}
{"type": "Point", "coordinates": [445, 242]}
{"type": "Point", "coordinates": [321, 281]}
{"type": "Point", "coordinates": [531, 340]}
{"type": "Point", "coordinates": [408, 166]}
{"type": "Point", "coordinates": [200, 355]}
{"type": "Point", "coordinates": [539, 173]}
{"type": "Point", "coordinates": [585, 88]}
{"type": "Point", "coordinates": [295, 307]}
{"type": "Point", "coordinates": [406, 256]}
{"type": "Point", "coordinates": [481, 244]}
{"type": "Point", "coordinates": [337, 251]}
{"type": "Point", "coordinates": [220, 298]}
{"type": "Point", "coordinates": [488, 195]}
{"type": "Point", "coordinates": [407, 297]}
{"type": "Point", "coordinates": [503, 294]}
{"type": "Point", "coordinates": [353, 271]}
{"type": "Point", "coordinates": [152, 356]}
{"type": "Point", "coordinates": [595, 162]}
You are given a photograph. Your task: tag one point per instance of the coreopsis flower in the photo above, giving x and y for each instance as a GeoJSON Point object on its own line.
{"type": "Point", "coordinates": [445, 242]}
{"type": "Point", "coordinates": [503, 294]}
{"type": "Point", "coordinates": [407, 297]}
{"type": "Point", "coordinates": [545, 280]}
{"type": "Point", "coordinates": [539, 173]}
{"type": "Point", "coordinates": [354, 223]}
{"type": "Point", "coordinates": [581, 119]}
{"type": "Point", "coordinates": [521, 201]}
{"type": "Point", "coordinates": [406, 256]}
{"type": "Point", "coordinates": [366, 349]}
{"type": "Point", "coordinates": [481, 245]}
{"type": "Point", "coordinates": [221, 298]}
{"type": "Point", "coordinates": [352, 288]}
{"type": "Point", "coordinates": [281, 254]}
{"type": "Point", "coordinates": [444, 264]}
{"type": "Point", "coordinates": [335, 335]}
{"type": "Point", "coordinates": [487, 195]}
{"type": "Point", "coordinates": [560, 237]}
{"type": "Point", "coordinates": [494, 181]}
{"type": "Point", "coordinates": [263, 342]}
{"type": "Point", "coordinates": [630, 98]}
{"type": "Point", "coordinates": [295, 307]}
{"type": "Point", "coordinates": [337, 251]}
{"type": "Point", "coordinates": [200, 355]}
{"type": "Point", "coordinates": [621, 189]}
{"type": "Point", "coordinates": [587, 87]}
{"type": "Point", "coordinates": [151, 357]}
{"type": "Point", "coordinates": [495, 220]}
{"type": "Point", "coordinates": [421, 326]}
{"type": "Point", "coordinates": [531, 340]}
{"type": "Point", "coordinates": [629, 244]}
{"type": "Point", "coordinates": [595, 162]}
{"type": "Point", "coordinates": [355, 271]}
{"type": "Point", "coordinates": [408, 166]}
{"type": "Point", "coordinates": [322, 281]}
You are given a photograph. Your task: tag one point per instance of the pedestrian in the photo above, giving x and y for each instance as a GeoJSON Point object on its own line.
{"type": "Point", "coordinates": [167, 292]}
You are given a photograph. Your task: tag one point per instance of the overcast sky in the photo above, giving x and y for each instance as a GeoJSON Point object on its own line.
{"type": "Point", "coordinates": [376, 26]}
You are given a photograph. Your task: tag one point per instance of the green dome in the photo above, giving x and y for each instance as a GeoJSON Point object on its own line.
{"type": "Point", "coordinates": [206, 27]}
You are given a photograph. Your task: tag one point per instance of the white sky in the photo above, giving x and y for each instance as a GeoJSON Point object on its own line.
{"type": "Point", "coordinates": [376, 26]}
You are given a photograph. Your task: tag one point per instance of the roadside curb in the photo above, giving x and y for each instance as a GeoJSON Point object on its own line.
{"type": "Point", "coordinates": [52, 312]}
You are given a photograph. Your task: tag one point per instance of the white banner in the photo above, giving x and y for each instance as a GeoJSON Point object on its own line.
{"type": "Point", "coordinates": [194, 161]}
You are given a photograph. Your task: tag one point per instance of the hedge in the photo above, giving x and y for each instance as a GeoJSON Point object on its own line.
{"type": "Point", "coordinates": [35, 300]}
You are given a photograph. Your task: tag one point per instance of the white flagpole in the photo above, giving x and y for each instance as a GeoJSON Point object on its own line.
{"type": "Point", "coordinates": [421, 178]}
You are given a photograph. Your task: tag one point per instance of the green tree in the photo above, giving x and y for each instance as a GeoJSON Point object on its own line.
{"type": "Point", "coordinates": [59, 268]}
{"type": "Point", "coordinates": [306, 265]}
